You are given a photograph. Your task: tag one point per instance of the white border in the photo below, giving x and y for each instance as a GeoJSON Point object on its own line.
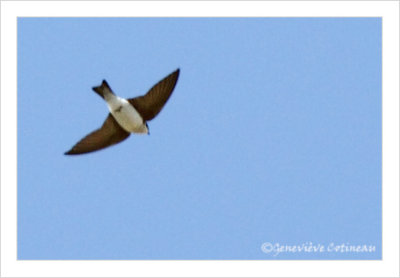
{"type": "Point", "coordinates": [388, 267]}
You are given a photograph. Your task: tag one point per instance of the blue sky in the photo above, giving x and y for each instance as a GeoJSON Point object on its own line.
{"type": "Point", "coordinates": [272, 135]}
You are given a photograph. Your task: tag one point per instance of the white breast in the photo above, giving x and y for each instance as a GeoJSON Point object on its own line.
{"type": "Point", "coordinates": [126, 115]}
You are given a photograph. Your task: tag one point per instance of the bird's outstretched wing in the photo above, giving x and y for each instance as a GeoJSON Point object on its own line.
{"type": "Point", "coordinates": [108, 134]}
{"type": "Point", "coordinates": [151, 103]}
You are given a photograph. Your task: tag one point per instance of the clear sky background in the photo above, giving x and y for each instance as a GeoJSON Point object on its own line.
{"type": "Point", "coordinates": [273, 134]}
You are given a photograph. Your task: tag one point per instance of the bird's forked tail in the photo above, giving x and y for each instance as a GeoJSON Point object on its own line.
{"type": "Point", "coordinates": [103, 89]}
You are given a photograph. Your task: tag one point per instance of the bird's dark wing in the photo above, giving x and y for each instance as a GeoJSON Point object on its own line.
{"type": "Point", "coordinates": [108, 134]}
{"type": "Point", "coordinates": [151, 103]}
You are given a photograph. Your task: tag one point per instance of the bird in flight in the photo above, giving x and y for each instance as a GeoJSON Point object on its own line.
{"type": "Point", "coordinates": [126, 115]}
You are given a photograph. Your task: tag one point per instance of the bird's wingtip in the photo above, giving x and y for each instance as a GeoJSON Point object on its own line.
{"type": "Point", "coordinates": [177, 72]}
{"type": "Point", "coordinates": [70, 152]}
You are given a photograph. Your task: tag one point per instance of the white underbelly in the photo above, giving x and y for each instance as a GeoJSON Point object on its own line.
{"type": "Point", "coordinates": [127, 116]}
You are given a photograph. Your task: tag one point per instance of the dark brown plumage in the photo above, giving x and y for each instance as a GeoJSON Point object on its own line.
{"type": "Point", "coordinates": [148, 106]}
{"type": "Point", "coordinates": [108, 134]}
{"type": "Point", "coordinates": [151, 103]}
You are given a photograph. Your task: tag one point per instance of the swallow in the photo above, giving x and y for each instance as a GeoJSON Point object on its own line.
{"type": "Point", "coordinates": [126, 116]}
